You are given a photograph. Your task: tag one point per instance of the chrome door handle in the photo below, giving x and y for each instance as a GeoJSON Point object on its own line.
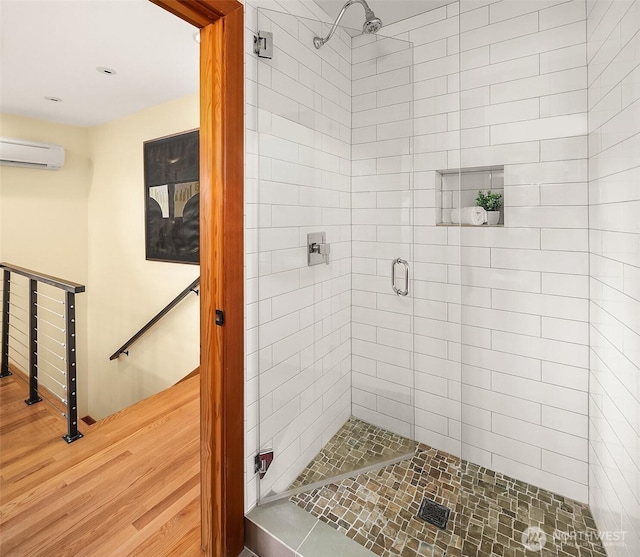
{"type": "Point", "coordinates": [398, 291]}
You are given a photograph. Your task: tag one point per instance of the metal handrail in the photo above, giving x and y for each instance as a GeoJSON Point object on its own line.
{"type": "Point", "coordinates": [47, 279]}
{"type": "Point", "coordinates": [152, 322]}
{"type": "Point", "coordinates": [70, 399]}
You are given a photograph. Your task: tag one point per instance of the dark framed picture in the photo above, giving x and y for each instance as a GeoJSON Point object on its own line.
{"type": "Point", "coordinates": [172, 198]}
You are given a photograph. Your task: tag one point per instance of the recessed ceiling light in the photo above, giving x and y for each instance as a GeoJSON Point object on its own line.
{"type": "Point", "coordinates": [54, 99]}
{"type": "Point", "coordinates": [196, 37]}
{"type": "Point", "coordinates": [106, 71]}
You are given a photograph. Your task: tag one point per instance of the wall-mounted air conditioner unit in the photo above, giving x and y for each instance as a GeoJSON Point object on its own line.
{"type": "Point", "coordinates": [30, 154]}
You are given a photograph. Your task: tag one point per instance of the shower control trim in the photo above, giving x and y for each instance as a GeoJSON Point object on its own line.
{"type": "Point", "coordinates": [400, 291]}
{"type": "Point", "coordinates": [317, 249]}
{"type": "Point", "coordinates": [263, 44]}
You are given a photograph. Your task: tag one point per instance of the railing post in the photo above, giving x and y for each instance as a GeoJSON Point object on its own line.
{"type": "Point", "coordinates": [6, 290]}
{"type": "Point", "coordinates": [33, 343]}
{"type": "Point", "coordinates": [72, 391]}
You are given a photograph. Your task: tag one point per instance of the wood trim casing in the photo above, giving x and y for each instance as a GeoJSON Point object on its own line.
{"type": "Point", "coordinates": [221, 269]}
{"type": "Point", "coordinates": [222, 348]}
{"type": "Point", "coordinates": [199, 13]}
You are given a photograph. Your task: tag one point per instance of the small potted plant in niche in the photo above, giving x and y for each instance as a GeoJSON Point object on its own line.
{"type": "Point", "coordinates": [491, 203]}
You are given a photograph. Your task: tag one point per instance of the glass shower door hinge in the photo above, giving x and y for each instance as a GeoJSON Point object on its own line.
{"type": "Point", "coordinates": [263, 461]}
{"type": "Point", "coordinates": [263, 44]}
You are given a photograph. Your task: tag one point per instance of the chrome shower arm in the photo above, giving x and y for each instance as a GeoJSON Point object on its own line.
{"type": "Point", "coordinates": [319, 41]}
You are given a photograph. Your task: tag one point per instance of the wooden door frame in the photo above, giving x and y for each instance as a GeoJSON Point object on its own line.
{"type": "Point", "coordinates": [221, 24]}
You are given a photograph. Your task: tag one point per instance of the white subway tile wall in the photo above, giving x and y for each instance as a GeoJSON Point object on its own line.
{"type": "Point", "coordinates": [613, 51]}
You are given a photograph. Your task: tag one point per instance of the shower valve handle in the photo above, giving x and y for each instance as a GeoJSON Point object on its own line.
{"type": "Point", "coordinates": [322, 249]}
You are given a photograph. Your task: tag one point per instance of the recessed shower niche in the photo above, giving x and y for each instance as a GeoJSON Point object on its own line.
{"type": "Point", "coordinates": [458, 188]}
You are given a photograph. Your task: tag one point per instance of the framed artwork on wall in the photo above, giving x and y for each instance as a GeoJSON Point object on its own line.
{"type": "Point", "coordinates": [172, 198]}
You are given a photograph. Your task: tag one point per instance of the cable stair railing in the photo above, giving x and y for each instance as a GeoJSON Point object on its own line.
{"type": "Point", "coordinates": [39, 335]}
{"type": "Point", "coordinates": [124, 348]}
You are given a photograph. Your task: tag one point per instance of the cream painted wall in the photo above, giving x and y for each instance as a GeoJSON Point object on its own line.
{"type": "Point", "coordinates": [85, 223]}
{"type": "Point", "coordinates": [43, 215]}
{"type": "Point", "coordinates": [127, 290]}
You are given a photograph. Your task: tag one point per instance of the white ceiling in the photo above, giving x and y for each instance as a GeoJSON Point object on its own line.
{"type": "Point", "coordinates": [389, 11]}
{"type": "Point", "coordinates": [52, 48]}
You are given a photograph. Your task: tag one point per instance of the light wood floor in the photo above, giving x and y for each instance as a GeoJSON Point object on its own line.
{"type": "Point", "coordinates": [131, 486]}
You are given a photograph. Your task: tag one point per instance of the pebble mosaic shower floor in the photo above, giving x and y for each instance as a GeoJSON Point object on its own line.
{"type": "Point", "coordinates": [489, 515]}
{"type": "Point", "coordinates": [356, 445]}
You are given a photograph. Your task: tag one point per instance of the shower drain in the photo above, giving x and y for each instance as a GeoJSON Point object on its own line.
{"type": "Point", "coordinates": [434, 513]}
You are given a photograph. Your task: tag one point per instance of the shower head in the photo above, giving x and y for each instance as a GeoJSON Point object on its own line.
{"type": "Point", "coordinates": [372, 24]}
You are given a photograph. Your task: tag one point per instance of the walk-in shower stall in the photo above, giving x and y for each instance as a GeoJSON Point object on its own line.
{"type": "Point", "coordinates": [424, 380]}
